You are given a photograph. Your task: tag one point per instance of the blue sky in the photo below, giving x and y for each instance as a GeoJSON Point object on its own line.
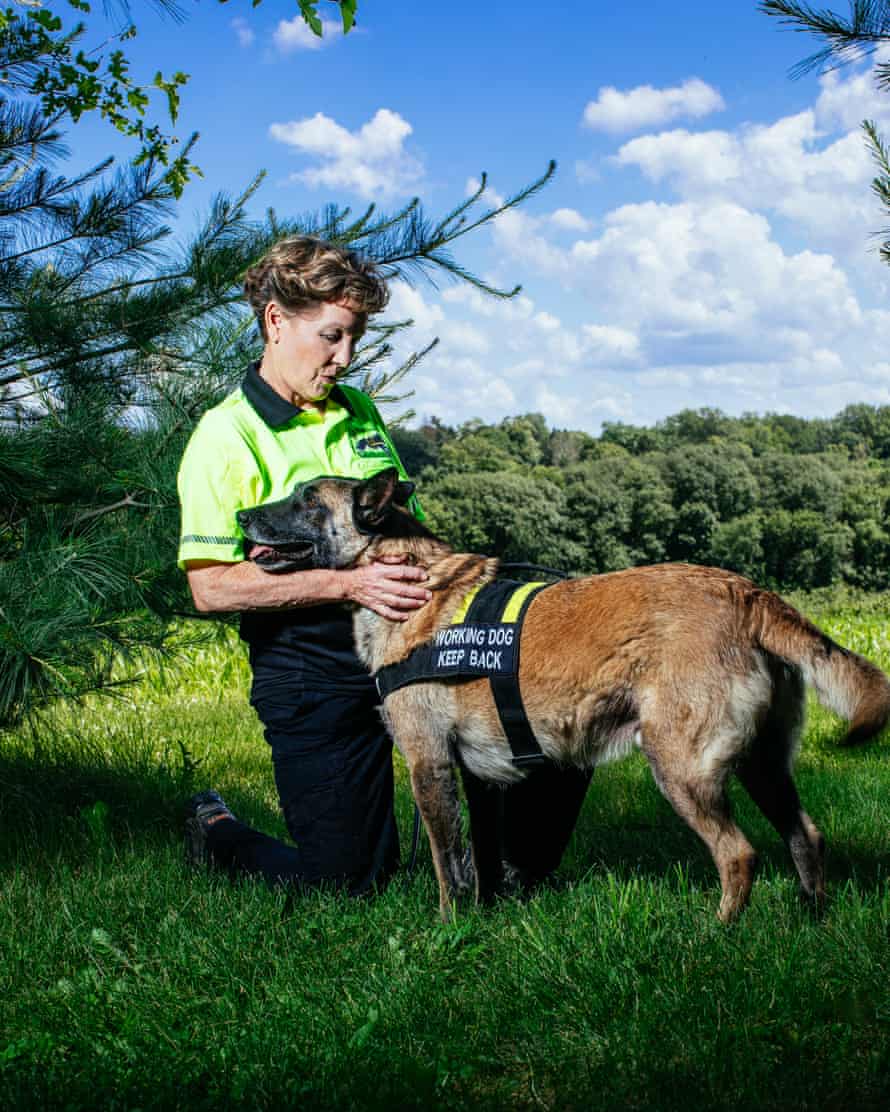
{"type": "Point", "coordinates": [709, 237]}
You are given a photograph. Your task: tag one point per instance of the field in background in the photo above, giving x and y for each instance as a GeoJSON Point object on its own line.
{"type": "Point", "coordinates": [129, 982]}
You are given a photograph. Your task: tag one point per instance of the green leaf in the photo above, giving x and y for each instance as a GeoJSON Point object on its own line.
{"type": "Point", "coordinates": [46, 19]}
{"type": "Point", "coordinates": [172, 102]}
{"type": "Point", "coordinates": [137, 99]}
{"type": "Point", "coordinates": [308, 12]}
{"type": "Point", "coordinates": [117, 65]}
{"type": "Point", "coordinates": [347, 14]}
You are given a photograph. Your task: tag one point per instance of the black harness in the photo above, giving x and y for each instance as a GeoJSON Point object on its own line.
{"type": "Point", "coordinates": [483, 640]}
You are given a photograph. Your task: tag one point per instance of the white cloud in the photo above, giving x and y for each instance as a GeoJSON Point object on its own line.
{"type": "Point", "coordinates": [569, 219]}
{"type": "Point", "coordinates": [547, 322]}
{"type": "Point", "coordinates": [785, 167]}
{"type": "Point", "coordinates": [515, 309]}
{"type": "Point", "coordinates": [709, 277]}
{"type": "Point", "coordinates": [604, 343]}
{"type": "Point", "coordinates": [813, 168]}
{"type": "Point", "coordinates": [457, 389]}
{"type": "Point", "coordinates": [702, 159]}
{"type": "Point", "coordinates": [645, 106]}
{"type": "Point", "coordinates": [407, 303]}
{"type": "Point", "coordinates": [465, 337]}
{"type": "Point", "coordinates": [243, 30]}
{"type": "Point", "coordinates": [745, 285]}
{"type": "Point", "coordinates": [294, 34]}
{"type": "Point", "coordinates": [522, 236]}
{"type": "Point", "coordinates": [701, 304]}
{"type": "Point", "coordinates": [371, 161]}
{"type": "Point", "coordinates": [846, 99]}
{"type": "Point", "coordinates": [664, 377]}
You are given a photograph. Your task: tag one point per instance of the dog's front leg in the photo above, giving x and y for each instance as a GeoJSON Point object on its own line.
{"type": "Point", "coordinates": [435, 792]}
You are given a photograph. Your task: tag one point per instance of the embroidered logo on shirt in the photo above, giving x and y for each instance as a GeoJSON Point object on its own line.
{"type": "Point", "coordinates": [370, 444]}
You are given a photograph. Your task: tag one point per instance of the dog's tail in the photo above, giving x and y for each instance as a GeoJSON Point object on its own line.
{"type": "Point", "coordinates": [846, 682]}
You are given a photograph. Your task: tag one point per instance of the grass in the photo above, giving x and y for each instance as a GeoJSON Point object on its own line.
{"type": "Point", "coordinates": [128, 982]}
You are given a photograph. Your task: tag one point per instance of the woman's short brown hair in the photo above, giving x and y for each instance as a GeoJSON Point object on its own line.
{"type": "Point", "coordinates": [302, 272]}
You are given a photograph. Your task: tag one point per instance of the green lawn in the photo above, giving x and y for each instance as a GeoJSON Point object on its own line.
{"type": "Point", "coordinates": [128, 982]}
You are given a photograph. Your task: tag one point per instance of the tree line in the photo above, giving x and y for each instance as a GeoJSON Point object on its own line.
{"type": "Point", "coordinates": [792, 503]}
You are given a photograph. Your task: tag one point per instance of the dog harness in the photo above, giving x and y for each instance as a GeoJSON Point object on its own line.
{"type": "Point", "coordinates": [482, 640]}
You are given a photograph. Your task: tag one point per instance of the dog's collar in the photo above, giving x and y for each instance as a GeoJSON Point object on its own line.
{"type": "Point", "coordinates": [275, 410]}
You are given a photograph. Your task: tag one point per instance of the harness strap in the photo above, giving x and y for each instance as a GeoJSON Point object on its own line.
{"type": "Point", "coordinates": [510, 605]}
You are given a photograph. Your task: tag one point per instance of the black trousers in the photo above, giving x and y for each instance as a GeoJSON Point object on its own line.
{"type": "Point", "coordinates": [333, 770]}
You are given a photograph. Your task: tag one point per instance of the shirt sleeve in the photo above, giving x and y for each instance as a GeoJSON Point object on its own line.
{"type": "Point", "coordinates": [217, 477]}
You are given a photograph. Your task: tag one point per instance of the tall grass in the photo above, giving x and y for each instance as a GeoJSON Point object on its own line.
{"type": "Point", "coordinates": [129, 982]}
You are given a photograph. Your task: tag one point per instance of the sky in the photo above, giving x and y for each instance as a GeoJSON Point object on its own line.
{"type": "Point", "coordinates": [710, 237]}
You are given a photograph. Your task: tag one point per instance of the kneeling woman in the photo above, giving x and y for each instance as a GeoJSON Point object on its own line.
{"type": "Point", "coordinates": [291, 421]}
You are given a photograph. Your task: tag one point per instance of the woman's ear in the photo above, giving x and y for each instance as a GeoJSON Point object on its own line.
{"type": "Point", "coordinates": [272, 321]}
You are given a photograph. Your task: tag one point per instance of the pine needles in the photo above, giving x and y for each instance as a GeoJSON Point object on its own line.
{"type": "Point", "coordinates": [113, 341]}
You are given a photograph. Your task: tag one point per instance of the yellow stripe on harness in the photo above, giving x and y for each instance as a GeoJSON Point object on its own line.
{"type": "Point", "coordinates": [510, 612]}
{"type": "Point", "coordinates": [461, 612]}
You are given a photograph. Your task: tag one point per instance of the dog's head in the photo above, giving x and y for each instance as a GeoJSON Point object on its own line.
{"type": "Point", "coordinates": [326, 523]}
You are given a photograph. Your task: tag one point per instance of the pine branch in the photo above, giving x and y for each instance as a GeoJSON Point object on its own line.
{"type": "Point", "coordinates": [41, 194]}
{"type": "Point", "coordinates": [881, 183]}
{"type": "Point", "coordinates": [376, 385]}
{"type": "Point", "coordinates": [122, 211]}
{"type": "Point", "coordinates": [24, 128]}
{"type": "Point", "coordinates": [848, 39]}
{"type": "Point", "coordinates": [410, 242]}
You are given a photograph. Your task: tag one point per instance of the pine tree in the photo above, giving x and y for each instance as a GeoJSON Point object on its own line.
{"type": "Point", "coordinates": [113, 340]}
{"type": "Point", "coordinates": [847, 39]}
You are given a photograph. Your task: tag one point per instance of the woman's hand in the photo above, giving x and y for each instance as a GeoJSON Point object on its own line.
{"type": "Point", "coordinates": [389, 587]}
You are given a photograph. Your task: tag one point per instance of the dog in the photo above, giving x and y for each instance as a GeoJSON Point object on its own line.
{"type": "Point", "coordinates": [697, 667]}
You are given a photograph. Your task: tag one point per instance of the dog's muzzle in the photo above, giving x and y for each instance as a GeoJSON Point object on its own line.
{"type": "Point", "coordinates": [278, 558]}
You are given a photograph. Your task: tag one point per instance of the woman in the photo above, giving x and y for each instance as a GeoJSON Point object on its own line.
{"type": "Point", "coordinates": [290, 421]}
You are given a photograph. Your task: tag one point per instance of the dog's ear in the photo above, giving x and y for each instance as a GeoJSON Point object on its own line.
{"type": "Point", "coordinates": [402, 493]}
{"type": "Point", "coordinates": [372, 498]}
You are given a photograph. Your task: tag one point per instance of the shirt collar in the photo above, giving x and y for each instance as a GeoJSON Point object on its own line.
{"type": "Point", "coordinates": [275, 410]}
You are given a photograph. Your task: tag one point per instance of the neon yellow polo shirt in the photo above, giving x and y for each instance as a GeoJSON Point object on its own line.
{"type": "Point", "coordinates": [255, 446]}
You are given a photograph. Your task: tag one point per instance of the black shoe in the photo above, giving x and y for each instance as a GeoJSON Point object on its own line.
{"type": "Point", "coordinates": [513, 882]}
{"type": "Point", "coordinates": [201, 812]}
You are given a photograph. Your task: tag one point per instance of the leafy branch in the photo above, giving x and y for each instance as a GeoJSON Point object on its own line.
{"type": "Point", "coordinates": [41, 57]}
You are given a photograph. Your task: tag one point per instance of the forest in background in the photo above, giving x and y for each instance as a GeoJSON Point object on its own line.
{"type": "Point", "coordinates": [792, 503]}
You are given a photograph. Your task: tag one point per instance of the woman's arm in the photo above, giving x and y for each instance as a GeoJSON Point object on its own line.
{"type": "Point", "coordinates": [388, 588]}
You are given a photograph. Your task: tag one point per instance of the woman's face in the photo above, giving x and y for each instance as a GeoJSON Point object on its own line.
{"type": "Point", "coordinates": [306, 352]}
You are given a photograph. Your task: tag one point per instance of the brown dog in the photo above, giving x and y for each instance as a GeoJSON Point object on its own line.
{"type": "Point", "coordinates": [698, 667]}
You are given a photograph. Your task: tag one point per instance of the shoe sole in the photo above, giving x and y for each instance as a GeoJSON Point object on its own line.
{"type": "Point", "coordinates": [196, 854]}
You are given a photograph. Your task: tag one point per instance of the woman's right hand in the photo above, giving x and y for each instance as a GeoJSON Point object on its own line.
{"type": "Point", "coordinates": [389, 587]}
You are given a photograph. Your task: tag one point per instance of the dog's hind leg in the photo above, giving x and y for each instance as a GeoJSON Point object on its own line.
{"type": "Point", "coordinates": [699, 797]}
{"type": "Point", "coordinates": [774, 792]}
{"type": "Point", "coordinates": [765, 772]}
